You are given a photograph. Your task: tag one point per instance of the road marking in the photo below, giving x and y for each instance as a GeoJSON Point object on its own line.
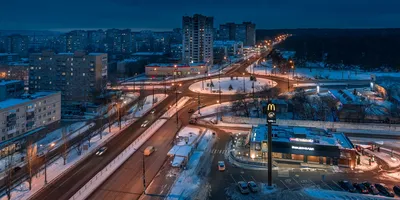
{"type": "Point", "coordinates": [285, 185]}
{"type": "Point", "coordinates": [253, 178]}
{"type": "Point", "coordinates": [297, 182]}
{"type": "Point", "coordinates": [313, 182]}
{"type": "Point", "coordinates": [243, 178]}
{"type": "Point", "coordinates": [233, 178]}
{"type": "Point", "coordinates": [338, 185]}
{"type": "Point", "coordinates": [327, 185]}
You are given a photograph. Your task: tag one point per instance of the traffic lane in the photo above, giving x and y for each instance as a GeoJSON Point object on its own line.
{"type": "Point", "coordinates": [127, 182]}
{"type": "Point", "coordinates": [66, 186]}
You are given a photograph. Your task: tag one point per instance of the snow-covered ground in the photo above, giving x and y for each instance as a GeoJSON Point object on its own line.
{"type": "Point", "coordinates": [142, 87]}
{"type": "Point", "coordinates": [56, 168]}
{"type": "Point", "coordinates": [53, 137]}
{"type": "Point", "coordinates": [320, 73]}
{"type": "Point", "coordinates": [330, 194]}
{"type": "Point", "coordinates": [209, 110]}
{"type": "Point", "coordinates": [237, 85]}
{"type": "Point", "coordinates": [190, 184]}
{"type": "Point", "coordinates": [391, 161]}
{"type": "Point", "coordinates": [364, 166]}
{"type": "Point", "coordinates": [171, 112]}
{"type": "Point", "coordinates": [139, 110]}
{"type": "Point", "coordinates": [188, 135]}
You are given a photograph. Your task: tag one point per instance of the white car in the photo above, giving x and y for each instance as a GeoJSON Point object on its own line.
{"type": "Point", "coordinates": [101, 151]}
{"type": "Point", "coordinates": [145, 123]}
{"type": "Point", "coordinates": [153, 111]}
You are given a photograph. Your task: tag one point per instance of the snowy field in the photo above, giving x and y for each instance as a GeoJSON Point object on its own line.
{"type": "Point", "coordinates": [320, 73]}
{"type": "Point", "coordinates": [212, 109]}
{"type": "Point", "coordinates": [231, 86]}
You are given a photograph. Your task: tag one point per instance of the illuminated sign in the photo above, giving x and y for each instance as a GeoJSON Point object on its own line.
{"type": "Point", "coordinates": [301, 140]}
{"type": "Point", "coordinates": [271, 116]}
{"type": "Point", "coordinates": [271, 107]}
{"type": "Point", "coordinates": [303, 148]}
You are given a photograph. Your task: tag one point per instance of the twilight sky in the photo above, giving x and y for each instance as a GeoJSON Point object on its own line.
{"type": "Point", "coordinates": [166, 14]}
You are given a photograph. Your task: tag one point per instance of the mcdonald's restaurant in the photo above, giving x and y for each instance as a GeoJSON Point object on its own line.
{"type": "Point", "coordinates": [302, 145]}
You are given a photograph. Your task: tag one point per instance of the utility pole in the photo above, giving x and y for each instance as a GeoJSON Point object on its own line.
{"type": "Point", "coordinates": [144, 174]}
{"type": "Point", "coordinates": [271, 118]}
{"type": "Point", "coordinates": [198, 102]}
{"type": "Point", "coordinates": [244, 84]}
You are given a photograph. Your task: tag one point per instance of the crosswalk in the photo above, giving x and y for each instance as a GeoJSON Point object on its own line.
{"type": "Point", "coordinates": [218, 151]}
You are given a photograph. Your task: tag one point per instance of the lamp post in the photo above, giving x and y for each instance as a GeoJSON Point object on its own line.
{"type": "Point", "coordinates": [45, 161]}
{"type": "Point", "coordinates": [244, 84]}
{"type": "Point", "coordinates": [198, 102]}
{"type": "Point", "coordinates": [219, 103]}
{"type": "Point", "coordinates": [274, 69]}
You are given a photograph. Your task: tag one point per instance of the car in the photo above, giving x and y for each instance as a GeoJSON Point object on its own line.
{"type": "Point", "coordinates": [192, 121]}
{"type": "Point", "coordinates": [244, 189]}
{"type": "Point", "coordinates": [101, 151]}
{"type": "Point", "coordinates": [396, 189]}
{"type": "Point", "coordinates": [347, 186]}
{"type": "Point", "coordinates": [372, 189]}
{"type": "Point", "coordinates": [153, 111]}
{"type": "Point", "coordinates": [253, 186]}
{"type": "Point", "coordinates": [221, 165]}
{"type": "Point", "coordinates": [191, 111]}
{"type": "Point", "coordinates": [16, 169]}
{"type": "Point", "coordinates": [145, 123]}
{"type": "Point", "coordinates": [384, 190]}
{"type": "Point", "coordinates": [149, 150]}
{"type": "Point", "coordinates": [361, 188]}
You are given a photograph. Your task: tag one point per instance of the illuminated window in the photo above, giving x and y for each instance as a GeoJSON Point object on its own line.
{"type": "Point", "coordinates": [83, 74]}
{"type": "Point", "coordinates": [72, 74]}
{"type": "Point", "coordinates": [63, 73]}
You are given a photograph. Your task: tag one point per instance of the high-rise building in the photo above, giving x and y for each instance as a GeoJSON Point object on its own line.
{"type": "Point", "coordinates": [79, 76]}
{"type": "Point", "coordinates": [197, 45]}
{"type": "Point", "coordinates": [76, 40]}
{"type": "Point", "coordinates": [119, 41]}
{"type": "Point", "coordinates": [17, 44]}
{"type": "Point", "coordinates": [245, 32]}
{"type": "Point", "coordinates": [96, 39]}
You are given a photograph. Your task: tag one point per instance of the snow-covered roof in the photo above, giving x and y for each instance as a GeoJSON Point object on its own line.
{"type": "Point", "coordinates": [345, 96]}
{"type": "Point", "coordinates": [173, 64]}
{"type": "Point", "coordinates": [301, 134]}
{"type": "Point", "coordinates": [129, 60]}
{"type": "Point", "coordinates": [96, 54]}
{"type": "Point", "coordinates": [177, 161]}
{"type": "Point", "coordinates": [6, 82]}
{"type": "Point", "coordinates": [15, 101]}
{"type": "Point", "coordinates": [188, 135]}
{"type": "Point", "coordinates": [8, 54]}
{"type": "Point", "coordinates": [182, 151]}
{"type": "Point", "coordinates": [222, 43]}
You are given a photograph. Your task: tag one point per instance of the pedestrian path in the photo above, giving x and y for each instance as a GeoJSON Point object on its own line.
{"type": "Point", "coordinates": [391, 161]}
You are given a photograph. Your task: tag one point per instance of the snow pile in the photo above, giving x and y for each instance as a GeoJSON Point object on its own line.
{"type": "Point", "coordinates": [392, 162]}
{"type": "Point", "coordinates": [140, 110]}
{"type": "Point", "coordinates": [188, 135]}
{"type": "Point", "coordinates": [231, 86]}
{"type": "Point", "coordinates": [192, 181]}
{"type": "Point", "coordinates": [171, 112]}
{"type": "Point", "coordinates": [212, 109]}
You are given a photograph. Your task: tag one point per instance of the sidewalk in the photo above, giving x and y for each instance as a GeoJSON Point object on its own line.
{"type": "Point", "coordinates": [392, 162]}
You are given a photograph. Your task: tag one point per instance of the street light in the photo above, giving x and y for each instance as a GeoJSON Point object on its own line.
{"type": "Point", "coordinates": [45, 161]}
{"type": "Point", "coordinates": [218, 102]}
{"type": "Point", "coordinates": [244, 84]}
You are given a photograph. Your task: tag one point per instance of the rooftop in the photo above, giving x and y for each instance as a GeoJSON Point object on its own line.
{"type": "Point", "coordinates": [6, 82]}
{"type": "Point", "coordinates": [26, 98]}
{"type": "Point", "coordinates": [172, 65]}
{"type": "Point", "coordinates": [8, 54]}
{"type": "Point", "coordinates": [301, 135]}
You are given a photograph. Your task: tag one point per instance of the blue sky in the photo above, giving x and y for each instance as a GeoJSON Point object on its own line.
{"type": "Point", "coordinates": [166, 14]}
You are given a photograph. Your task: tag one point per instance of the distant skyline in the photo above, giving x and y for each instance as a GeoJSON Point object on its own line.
{"type": "Point", "coordinates": [161, 15]}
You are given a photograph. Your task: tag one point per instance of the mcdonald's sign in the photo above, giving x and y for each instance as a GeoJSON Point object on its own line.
{"type": "Point", "coordinates": [271, 113]}
{"type": "Point", "coordinates": [271, 107]}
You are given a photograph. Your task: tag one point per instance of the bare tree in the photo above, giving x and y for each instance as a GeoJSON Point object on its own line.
{"type": "Point", "coordinates": [9, 170]}
{"type": "Point", "coordinates": [65, 145]}
{"type": "Point", "coordinates": [298, 101]}
{"type": "Point", "coordinates": [30, 156]}
{"type": "Point", "coordinates": [241, 105]}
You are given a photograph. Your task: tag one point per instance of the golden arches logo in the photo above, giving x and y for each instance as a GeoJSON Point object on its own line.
{"type": "Point", "coordinates": [271, 107]}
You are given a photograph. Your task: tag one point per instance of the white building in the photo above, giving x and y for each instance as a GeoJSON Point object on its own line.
{"type": "Point", "coordinates": [23, 116]}
{"type": "Point", "coordinates": [197, 45]}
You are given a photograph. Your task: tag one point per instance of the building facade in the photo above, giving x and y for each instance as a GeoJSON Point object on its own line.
{"type": "Point", "coordinates": [8, 57]}
{"type": "Point", "coordinates": [26, 113]}
{"type": "Point", "coordinates": [197, 45]}
{"type": "Point", "coordinates": [299, 144]}
{"type": "Point", "coordinates": [169, 69]}
{"type": "Point", "coordinates": [245, 32]}
{"type": "Point", "coordinates": [17, 44]}
{"type": "Point", "coordinates": [118, 41]}
{"type": "Point", "coordinates": [15, 71]}
{"type": "Point", "coordinates": [11, 89]}
{"type": "Point", "coordinates": [76, 40]}
{"type": "Point", "coordinates": [79, 76]}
